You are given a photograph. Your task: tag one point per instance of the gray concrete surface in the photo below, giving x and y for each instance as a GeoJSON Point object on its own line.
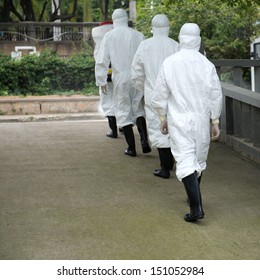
{"type": "Point", "coordinates": [68, 192]}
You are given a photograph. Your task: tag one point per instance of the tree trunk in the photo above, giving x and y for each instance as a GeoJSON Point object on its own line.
{"type": "Point", "coordinates": [87, 11]}
{"type": "Point", "coordinates": [62, 17]}
{"type": "Point", "coordinates": [104, 4]}
{"type": "Point", "coordinates": [7, 9]}
{"type": "Point", "coordinates": [27, 10]}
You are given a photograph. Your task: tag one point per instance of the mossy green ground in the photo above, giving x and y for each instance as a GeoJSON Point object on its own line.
{"type": "Point", "coordinates": [68, 192]}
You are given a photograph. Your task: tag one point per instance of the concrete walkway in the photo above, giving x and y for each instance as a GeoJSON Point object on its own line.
{"type": "Point", "coordinates": [68, 192]}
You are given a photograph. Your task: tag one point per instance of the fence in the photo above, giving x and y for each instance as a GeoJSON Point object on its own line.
{"type": "Point", "coordinates": [64, 38]}
{"type": "Point", "coordinates": [45, 31]}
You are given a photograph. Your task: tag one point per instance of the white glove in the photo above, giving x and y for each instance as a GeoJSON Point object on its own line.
{"type": "Point", "coordinates": [104, 89]}
{"type": "Point", "coordinates": [164, 127]}
{"type": "Point", "coordinates": [215, 132]}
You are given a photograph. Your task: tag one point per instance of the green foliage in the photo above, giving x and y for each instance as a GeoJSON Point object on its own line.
{"type": "Point", "coordinates": [102, 10]}
{"type": "Point", "coordinates": [226, 28]}
{"type": "Point", "coordinates": [79, 72]}
{"type": "Point", "coordinates": [242, 4]}
{"type": "Point", "coordinates": [46, 74]}
{"type": "Point", "coordinates": [41, 10]}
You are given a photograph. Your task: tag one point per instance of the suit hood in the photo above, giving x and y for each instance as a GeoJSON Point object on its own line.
{"type": "Point", "coordinates": [189, 36]}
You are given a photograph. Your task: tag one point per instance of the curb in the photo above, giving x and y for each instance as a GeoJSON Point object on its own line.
{"type": "Point", "coordinates": [48, 105]}
{"type": "Point", "coordinates": [51, 117]}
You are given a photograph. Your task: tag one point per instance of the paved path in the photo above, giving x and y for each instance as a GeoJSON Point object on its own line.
{"type": "Point", "coordinates": [68, 192]}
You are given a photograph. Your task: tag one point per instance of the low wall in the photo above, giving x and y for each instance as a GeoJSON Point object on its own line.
{"type": "Point", "coordinates": [48, 105]}
{"type": "Point", "coordinates": [240, 121]}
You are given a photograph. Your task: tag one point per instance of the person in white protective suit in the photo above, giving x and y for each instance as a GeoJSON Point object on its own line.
{"type": "Point", "coordinates": [106, 100]}
{"type": "Point", "coordinates": [188, 100]}
{"type": "Point", "coordinates": [119, 47]}
{"type": "Point", "coordinates": [145, 67]}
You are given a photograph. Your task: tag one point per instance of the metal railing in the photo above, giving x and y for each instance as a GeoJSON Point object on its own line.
{"type": "Point", "coordinates": [45, 31]}
{"type": "Point", "coordinates": [236, 67]}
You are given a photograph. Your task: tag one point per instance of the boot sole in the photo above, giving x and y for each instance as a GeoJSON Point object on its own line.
{"type": "Point", "coordinates": [111, 136]}
{"type": "Point", "coordinates": [164, 177]}
{"type": "Point", "coordinates": [130, 154]}
{"type": "Point", "coordinates": [146, 151]}
{"type": "Point", "coordinates": [194, 218]}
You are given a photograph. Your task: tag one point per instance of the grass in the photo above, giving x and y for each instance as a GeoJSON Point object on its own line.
{"type": "Point", "coordinates": [90, 91]}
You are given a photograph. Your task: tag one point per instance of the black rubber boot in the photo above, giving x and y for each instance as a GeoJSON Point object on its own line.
{"type": "Point", "coordinates": [130, 139]}
{"type": "Point", "coordinates": [112, 125]}
{"type": "Point", "coordinates": [165, 156]}
{"type": "Point", "coordinates": [172, 160]}
{"type": "Point", "coordinates": [192, 188]}
{"type": "Point", "coordinates": [199, 180]}
{"type": "Point", "coordinates": [141, 126]}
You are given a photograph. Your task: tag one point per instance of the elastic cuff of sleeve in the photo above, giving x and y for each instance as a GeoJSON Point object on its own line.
{"type": "Point", "coordinates": [216, 121]}
{"type": "Point", "coordinates": [163, 118]}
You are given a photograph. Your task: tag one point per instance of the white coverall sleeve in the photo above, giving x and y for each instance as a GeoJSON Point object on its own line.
{"type": "Point", "coordinates": [102, 64]}
{"type": "Point", "coordinates": [216, 95]}
{"type": "Point", "coordinates": [137, 71]}
{"type": "Point", "coordinates": [161, 94]}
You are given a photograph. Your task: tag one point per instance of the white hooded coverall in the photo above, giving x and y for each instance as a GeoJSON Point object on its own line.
{"type": "Point", "coordinates": [188, 91]}
{"type": "Point", "coordinates": [119, 47]}
{"type": "Point", "coordinates": [106, 100]}
{"type": "Point", "coordinates": [145, 67]}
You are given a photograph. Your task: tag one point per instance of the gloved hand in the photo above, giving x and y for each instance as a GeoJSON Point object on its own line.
{"type": "Point", "coordinates": [215, 132]}
{"type": "Point", "coordinates": [104, 89]}
{"type": "Point", "coordinates": [164, 127]}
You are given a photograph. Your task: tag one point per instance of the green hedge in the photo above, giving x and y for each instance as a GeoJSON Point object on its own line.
{"type": "Point", "coordinates": [47, 74]}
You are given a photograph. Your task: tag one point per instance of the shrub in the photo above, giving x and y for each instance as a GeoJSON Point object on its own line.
{"type": "Point", "coordinates": [47, 74]}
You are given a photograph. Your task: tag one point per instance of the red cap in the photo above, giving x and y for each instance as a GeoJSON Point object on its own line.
{"type": "Point", "coordinates": [105, 22]}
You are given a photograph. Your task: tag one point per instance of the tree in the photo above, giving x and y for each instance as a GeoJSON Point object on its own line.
{"type": "Point", "coordinates": [33, 10]}
{"type": "Point", "coordinates": [65, 15]}
{"type": "Point", "coordinates": [103, 9]}
{"type": "Point", "coordinates": [76, 10]}
{"type": "Point", "coordinates": [104, 6]}
{"type": "Point", "coordinates": [87, 10]}
{"type": "Point", "coordinates": [226, 29]}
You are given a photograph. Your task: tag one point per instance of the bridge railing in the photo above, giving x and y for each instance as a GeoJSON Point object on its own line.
{"type": "Point", "coordinates": [236, 66]}
{"type": "Point", "coordinates": [240, 121]}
